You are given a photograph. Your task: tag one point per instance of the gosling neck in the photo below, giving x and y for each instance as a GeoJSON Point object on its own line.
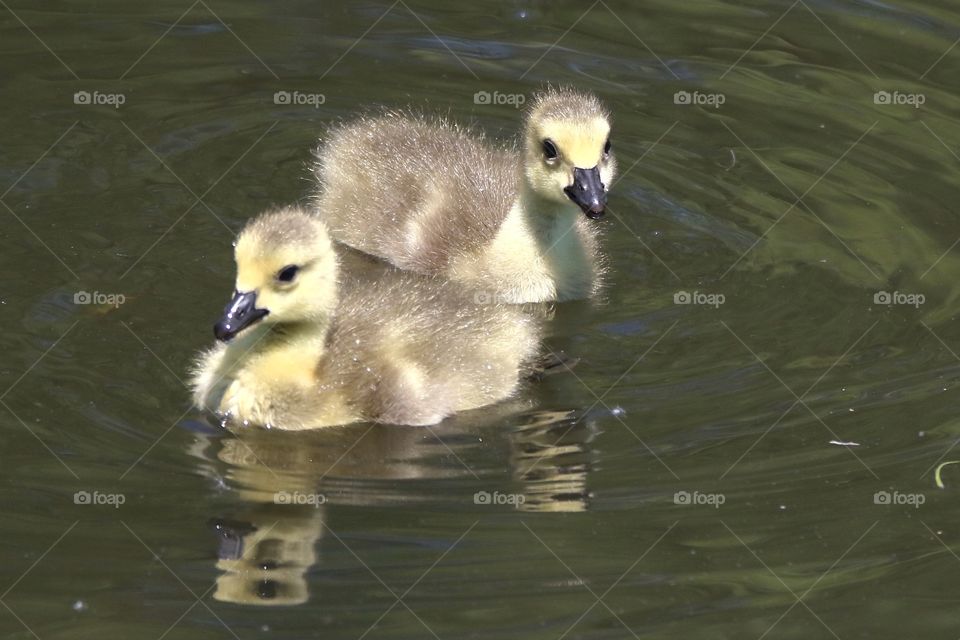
{"type": "Point", "coordinates": [550, 221]}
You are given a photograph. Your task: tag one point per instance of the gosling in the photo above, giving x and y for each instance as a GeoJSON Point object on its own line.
{"type": "Point", "coordinates": [432, 197]}
{"type": "Point", "coordinates": [305, 343]}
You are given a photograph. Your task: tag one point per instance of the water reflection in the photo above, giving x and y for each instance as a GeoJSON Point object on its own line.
{"type": "Point", "coordinates": [285, 480]}
{"type": "Point", "coordinates": [551, 460]}
{"type": "Point", "coordinates": [264, 554]}
{"type": "Point", "coordinates": [289, 485]}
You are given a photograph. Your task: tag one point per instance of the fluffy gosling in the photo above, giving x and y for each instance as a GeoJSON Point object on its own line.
{"type": "Point", "coordinates": [304, 343]}
{"type": "Point", "coordinates": [432, 197]}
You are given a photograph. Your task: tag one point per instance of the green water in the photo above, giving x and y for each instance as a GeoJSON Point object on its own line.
{"type": "Point", "coordinates": [798, 200]}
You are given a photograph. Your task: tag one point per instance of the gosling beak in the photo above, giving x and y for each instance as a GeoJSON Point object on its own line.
{"type": "Point", "coordinates": [239, 314]}
{"type": "Point", "coordinates": [588, 192]}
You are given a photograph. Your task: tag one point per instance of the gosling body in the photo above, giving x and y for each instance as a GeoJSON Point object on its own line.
{"type": "Point", "coordinates": [518, 223]}
{"type": "Point", "coordinates": [316, 338]}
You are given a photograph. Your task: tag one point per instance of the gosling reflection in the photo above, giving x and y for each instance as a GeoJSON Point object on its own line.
{"type": "Point", "coordinates": [287, 479]}
{"type": "Point", "coordinates": [551, 460]}
{"type": "Point", "coordinates": [266, 550]}
{"type": "Point", "coordinates": [289, 483]}
{"type": "Point", "coordinates": [265, 559]}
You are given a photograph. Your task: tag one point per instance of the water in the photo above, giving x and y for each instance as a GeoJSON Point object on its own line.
{"type": "Point", "coordinates": [680, 483]}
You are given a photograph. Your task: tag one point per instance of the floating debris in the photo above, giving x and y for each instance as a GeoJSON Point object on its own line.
{"type": "Point", "coordinates": [733, 160]}
{"type": "Point", "coordinates": [841, 443]}
{"type": "Point", "coordinates": [936, 474]}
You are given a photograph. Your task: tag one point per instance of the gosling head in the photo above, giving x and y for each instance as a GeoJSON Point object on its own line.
{"type": "Point", "coordinates": [568, 151]}
{"type": "Point", "coordinates": [286, 273]}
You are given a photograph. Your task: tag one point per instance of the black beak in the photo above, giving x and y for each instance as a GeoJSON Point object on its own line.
{"type": "Point", "coordinates": [588, 192]}
{"type": "Point", "coordinates": [239, 314]}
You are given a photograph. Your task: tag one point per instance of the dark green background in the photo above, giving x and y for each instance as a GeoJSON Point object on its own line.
{"type": "Point", "coordinates": [102, 199]}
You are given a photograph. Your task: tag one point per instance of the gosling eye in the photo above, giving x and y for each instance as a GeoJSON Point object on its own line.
{"type": "Point", "coordinates": [549, 149]}
{"type": "Point", "coordinates": [288, 273]}
{"type": "Point", "coordinates": [606, 148]}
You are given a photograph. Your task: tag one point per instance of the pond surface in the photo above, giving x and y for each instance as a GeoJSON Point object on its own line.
{"type": "Point", "coordinates": [757, 463]}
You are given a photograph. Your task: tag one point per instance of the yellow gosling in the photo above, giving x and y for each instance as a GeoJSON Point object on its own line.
{"type": "Point", "coordinates": [432, 197]}
{"type": "Point", "coordinates": [305, 343]}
